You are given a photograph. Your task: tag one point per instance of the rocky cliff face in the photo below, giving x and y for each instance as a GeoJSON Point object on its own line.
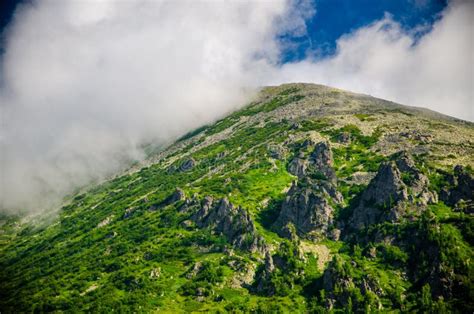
{"type": "Point", "coordinates": [233, 222]}
{"type": "Point", "coordinates": [459, 190]}
{"type": "Point", "coordinates": [307, 207]}
{"type": "Point", "coordinates": [398, 187]}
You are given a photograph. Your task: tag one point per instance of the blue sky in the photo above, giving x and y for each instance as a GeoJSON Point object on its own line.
{"type": "Point", "coordinates": [333, 19]}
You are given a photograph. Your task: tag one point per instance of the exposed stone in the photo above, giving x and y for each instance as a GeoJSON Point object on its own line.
{"type": "Point", "coordinates": [405, 163]}
{"type": "Point", "coordinates": [335, 234]}
{"type": "Point", "coordinates": [269, 267]}
{"type": "Point", "coordinates": [337, 279]}
{"type": "Point", "coordinates": [263, 283]}
{"type": "Point", "coordinates": [460, 191]}
{"type": "Point", "coordinates": [306, 209]}
{"type": "Point", "coordinates": [228, 251]}
{"type": "Point", "coordinates": [307, 143]}
{"type": "Point", "coordinates": [396, 184]}
{"type": "Point", "coordinates": [155, 273]}
{"type": "Point", "coordinates": [277, 152]}
{"type": "Point", "coordinates": [417, 136]}
{"type": "Point", "coordinates": [289, 231]}
{"type": "Point", "coordinates": [187, 165]}
{"type": "Point", "coordinates": [244, 276]}
{"type": "Point", "coordinates": [333, 279]}
{"type": "Point", "coordinates": [200, 294]}
{"type": "Point", "coordinates": [194, 270]}
{"type": "Point", "coordinates": [233, 222]}
{"type": "Point", "coordinates": [128, 212]}
{"type": "Point", "coordinates": [105, 222]}
{"type": "Point", "coordinates": [295, 126]}
{"type": "Point", "coordinates": [361, 178]}
{"type": "Point", "coordinates": [344, 138]}
{"type": "Point", "coordinates": [370, 284]}
{"type": "Point", "coordinates": [178, 195]}
{"type": "Point", "coordinates": [417, 182]}
{"type": "Point", "coordinates": [387, 187]}
{"type": "Point", "coordinates": [187, 224]}
{"type": "Point", "coordinates": [297, 167]}
{"type": "Point", "coordinates": [379, 201]}
{"type": "Point", "coordinates": [372, 253]}
{"type": "Point", "coordinates": [322, 161]}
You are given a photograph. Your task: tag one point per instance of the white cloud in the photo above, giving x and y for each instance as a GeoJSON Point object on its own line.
{"type": "Point", "coordinates": [382, 60]}
{"type": "Point", "coordinates": [86, 83]}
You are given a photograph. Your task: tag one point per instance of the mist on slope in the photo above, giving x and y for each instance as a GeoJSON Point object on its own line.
{"type": "Point", "coordinates": [84, 85]}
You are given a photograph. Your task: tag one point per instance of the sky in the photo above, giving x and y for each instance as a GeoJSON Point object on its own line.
{"type": "Point", "coordinates": [86, 84]}
{"type": "Point", "coordinates": [335, 18]}
{"type": "Point", "coordinates": [331, 20]}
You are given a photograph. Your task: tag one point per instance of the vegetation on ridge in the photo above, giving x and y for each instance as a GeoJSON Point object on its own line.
{"type": "Point", "coordinates": [143, 241]}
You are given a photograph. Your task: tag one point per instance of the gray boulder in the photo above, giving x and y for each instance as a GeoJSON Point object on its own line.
{"type": "Point", "coordinates": [308, 210]}
{"type": "Point", "coordinates": [176, 196]}
{"type": "Point", "coordinates": [263, 284]}
{"type": "Point", "coordinates": [460, 192]}
{"type": "Point", "coordinates": [397, 184]}
{"type": "Point", "coordinates": [297, 167]}
{"type": "Point", "coordinates": [380, 201]}
{"type": "Point", "coordinates": [277, 152]}
{"type": "Point", "coordinates": [233, 222]}
{"type": "Point", "coordinates": [321, 160]}
{"type": "Point", "coordinates": [187, 165]}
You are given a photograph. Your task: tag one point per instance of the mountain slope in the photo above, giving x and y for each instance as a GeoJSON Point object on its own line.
{"type": "Point", "coordinates": [310, 198]}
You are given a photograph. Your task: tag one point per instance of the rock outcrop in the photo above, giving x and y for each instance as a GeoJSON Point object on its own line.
{"type": "Point", "coordinates": [321, 162]}
{"type": "Point", "coordinates": [338, 284]}
{"type": "Point", "coordinates": [176, 196]}
{"type": "Point", "coordinates": [262, 282]}
{"type": "Point", "coordinates": [307, 208]}
{"type": "Point", "coordinates": [223, 217]}
{"type": "Point", "coordinates": [183, 166]}
{"type": "Point", "coordinates": [318, 164]}
{"type": "Point", "coordinates": [233, 222]}
{"type": "Point", "coordinates": [187, 165]}
{"type": "Point", "coordinates": [277, 152]}
{"type": "Point", "coordinates": [460, 193]}
{"type": "Point", "coordinates": [396, 184]}
{"type": "Point", "coordinates": [416, 181]}
{"type": "Point", "coordinates": [298, 166]}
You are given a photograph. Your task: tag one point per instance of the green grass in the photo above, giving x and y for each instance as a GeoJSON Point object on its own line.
{"type": "Point", "coordinates": [364, 117]}
{"type": "Point", "coordinates": [50, 267]}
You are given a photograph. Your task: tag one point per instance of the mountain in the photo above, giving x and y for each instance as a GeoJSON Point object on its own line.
{"type": "Point", "coordinates": [308, 199]}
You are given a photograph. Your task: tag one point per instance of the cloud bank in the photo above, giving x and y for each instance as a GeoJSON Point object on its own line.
{"type": "Point", "coordinates": [85, 84]}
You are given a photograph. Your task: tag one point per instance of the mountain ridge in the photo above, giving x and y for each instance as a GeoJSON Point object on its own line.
{"type": "Point", "coordinates": [308, 199]}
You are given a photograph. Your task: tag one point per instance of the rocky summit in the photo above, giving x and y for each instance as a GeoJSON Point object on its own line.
{"type": "Point", "coordinates": [308, 199]}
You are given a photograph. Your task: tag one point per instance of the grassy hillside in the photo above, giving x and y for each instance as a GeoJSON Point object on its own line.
{"type": "Point", "coordinates": [308, 199]}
